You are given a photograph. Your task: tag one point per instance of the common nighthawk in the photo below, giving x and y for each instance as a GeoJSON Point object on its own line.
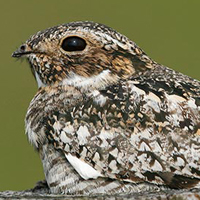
{"type": "Point", "coordinates": [106, 117]}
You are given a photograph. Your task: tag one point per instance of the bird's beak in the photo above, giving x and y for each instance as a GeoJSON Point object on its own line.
{"type": "Point", "coordinates": [22, 50]}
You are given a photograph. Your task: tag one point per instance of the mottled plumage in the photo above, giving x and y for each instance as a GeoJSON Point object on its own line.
{"type": "Point", "coordinates": [106, 117]}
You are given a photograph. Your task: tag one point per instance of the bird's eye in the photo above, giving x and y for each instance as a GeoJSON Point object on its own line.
{"type": "Point", "coordinates": [73, 44]}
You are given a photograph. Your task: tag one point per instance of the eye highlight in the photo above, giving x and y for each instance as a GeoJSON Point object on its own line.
{"type": "Point", "coordinates": [73, 43]}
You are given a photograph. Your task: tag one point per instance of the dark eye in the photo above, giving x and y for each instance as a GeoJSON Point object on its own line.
{"type": "Point", "coordinates": [73, 44]}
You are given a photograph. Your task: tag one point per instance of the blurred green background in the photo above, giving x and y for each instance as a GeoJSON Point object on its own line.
{"type": "Point", "coordinates": [168, 31]}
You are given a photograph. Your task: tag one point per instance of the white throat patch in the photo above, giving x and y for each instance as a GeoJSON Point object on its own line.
{"type": "Point", "coordinates": [97, 81]}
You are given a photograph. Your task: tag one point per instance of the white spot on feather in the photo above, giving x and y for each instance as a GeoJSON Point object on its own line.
{"type": "Point", "coordinates": [157, 166]}
{"type": "Point", "coordinates": [138, 90]}
{"type": "Point", "coordinates": [96, 157]}
{"type": "Point", "coordinates": [84, 170]}
{"type": "Point", "coordinates": [175, 98]}
{"type": "Point", "coordinates": [180, 161]}
{"type": "Point", "coordinates": [146, 133]}
{"type": "Point", "coordinates": [99, 98]}
{"type": "Point", "coordinates": [187, 171]}
{"type": "Point", "coordinates": [156, 147]}
{"type": "Point", "coordinates": [154, 97]}
{"type": "Point", "coordinates": [83, 133]}
{"type": "Point", "coordinates": [57, 126]}
{"type": "Point", "coordinates": [69, 129]}
{"type": "Point", "coordinates": [191, 103]}
{"type": "Point", "coordinates": [144, 147]}
{"type": "Point", "coordinates": [106, 134]}
{"type": "Point", "coordinates": [114, 152]}
{"type": "Point", "coordinates": [64, 137]}
{"type": "Point", "coordinates": [113, 165]}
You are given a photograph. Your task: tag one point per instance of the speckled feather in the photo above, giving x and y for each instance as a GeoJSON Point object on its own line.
{"type": "Point", "coordinates": [109, 119]}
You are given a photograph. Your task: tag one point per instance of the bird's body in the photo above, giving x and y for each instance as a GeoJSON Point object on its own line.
{"type": "Point", "coordinates": [107, 118]}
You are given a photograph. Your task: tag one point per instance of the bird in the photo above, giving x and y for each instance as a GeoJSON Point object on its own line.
{"type": "Point", "coordinates": [107, 118]}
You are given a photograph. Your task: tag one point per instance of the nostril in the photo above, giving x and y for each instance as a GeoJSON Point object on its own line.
{"type": "Point", "coordinates": [22, 47]}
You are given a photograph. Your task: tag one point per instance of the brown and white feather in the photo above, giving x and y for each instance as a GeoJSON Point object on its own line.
{"type": "Point", "coordinates": [109, 119]}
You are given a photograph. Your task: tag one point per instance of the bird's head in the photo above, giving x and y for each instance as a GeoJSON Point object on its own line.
{"type": "Point", "coordinates": [84, 54]}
